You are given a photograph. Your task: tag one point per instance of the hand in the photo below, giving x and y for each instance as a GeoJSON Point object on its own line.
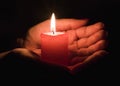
{"type": "Point", "coordinates": [86, 43]}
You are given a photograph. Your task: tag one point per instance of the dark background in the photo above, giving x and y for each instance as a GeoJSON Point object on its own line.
{"type": "Point", "coordinates": [17, 16]}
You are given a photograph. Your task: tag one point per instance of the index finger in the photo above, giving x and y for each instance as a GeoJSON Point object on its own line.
{"type": "Point", "coordinates": [89, 30]}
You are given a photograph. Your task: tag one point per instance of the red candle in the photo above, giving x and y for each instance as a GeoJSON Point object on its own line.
{"type": "Point", "coordinates": [54, 46]}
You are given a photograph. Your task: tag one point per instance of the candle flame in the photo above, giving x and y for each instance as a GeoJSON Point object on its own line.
{"type": "Point", "coordinates": [53, 23]}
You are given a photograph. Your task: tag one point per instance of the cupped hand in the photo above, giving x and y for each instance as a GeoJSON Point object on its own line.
{"type": "Point", "coordinates": [86, 42]}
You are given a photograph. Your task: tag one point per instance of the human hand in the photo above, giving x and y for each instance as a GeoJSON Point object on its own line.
{"type": "Point", "coordinates": [86, 43]}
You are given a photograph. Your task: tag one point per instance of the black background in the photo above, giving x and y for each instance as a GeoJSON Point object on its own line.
{"type": "Point", "coordinates": [17, 16]}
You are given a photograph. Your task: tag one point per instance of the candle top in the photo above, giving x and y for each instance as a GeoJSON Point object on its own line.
{"type": "Point", "coordinates": [53, 28]}
{"type": "Point", "coordinates": [55, 34]}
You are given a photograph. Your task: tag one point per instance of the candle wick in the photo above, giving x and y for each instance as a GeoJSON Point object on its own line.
{"type": "Point", "coordinates": [53, 32]}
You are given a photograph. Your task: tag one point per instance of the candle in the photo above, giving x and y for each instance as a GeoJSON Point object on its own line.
{"type": "Point", "coordinates": [54, 45]}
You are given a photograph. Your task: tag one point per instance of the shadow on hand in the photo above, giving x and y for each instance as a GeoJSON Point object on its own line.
{"type": "Point", "coordinates": [23, 66]}
{"type": "Point", "coordinates": [18, 66]}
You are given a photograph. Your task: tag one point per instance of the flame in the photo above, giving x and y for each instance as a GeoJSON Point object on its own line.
{"type": "Point", "coordinates": [53, 24]}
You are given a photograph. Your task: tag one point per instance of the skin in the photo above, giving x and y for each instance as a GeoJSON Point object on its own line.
{"type": "Point", "coordinates": [87, 43]}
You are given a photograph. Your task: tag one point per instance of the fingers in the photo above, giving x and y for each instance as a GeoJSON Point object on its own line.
{"type": "Point", "coordinates": [89, 30]}
{"type": "Point", "coordinates": [86, 42]}
{"type": "Point", "coordinates": [83, 53]}
{"type": "Point", "coordinates": [71, 36]}
{"type": "Point", "coordinates": [93, 48]}
{"type": "Point", "coordinates": [95, 56]}
{"type": "Point", "coordinates": [77, 65]}
{"type": "Point", "coordinates": [82, 59]}
{"type": "Point", "coordinates": [83, 44]}
{"type": "Point", "coordinates": [77, 59]}
{"type": "Point", "coordinates": [67, 24]}
{"type": "Point", "coordinates": [96, 34]}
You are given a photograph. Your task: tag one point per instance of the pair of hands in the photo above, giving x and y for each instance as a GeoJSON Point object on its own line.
{"type": "Point", "coordinates": [87, 43]}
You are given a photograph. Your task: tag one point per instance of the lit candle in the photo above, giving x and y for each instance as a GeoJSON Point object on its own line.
{"type": "Point", "coordinates": [54, 45]}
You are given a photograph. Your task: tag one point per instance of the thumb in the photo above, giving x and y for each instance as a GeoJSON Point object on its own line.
{"type": "Point", "coordinates": [26, 53]}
